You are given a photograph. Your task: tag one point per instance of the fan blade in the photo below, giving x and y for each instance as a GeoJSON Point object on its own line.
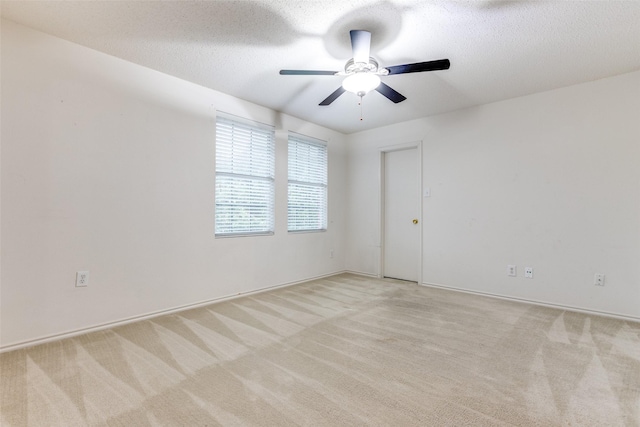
{"type": "Point", "coordinates": [390, 93]}
{"type": "Point", "coordinates": [360, 44]}
{"type": "Point", "coordinates": [440, 64]}
{"type": "Point", "coordinates": [333, 96]}
{"type": "Point", "coordinates": [307, 73]}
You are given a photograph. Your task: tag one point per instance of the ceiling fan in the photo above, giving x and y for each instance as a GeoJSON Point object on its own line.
{"type": "Point", "coordinates": [363, 72]}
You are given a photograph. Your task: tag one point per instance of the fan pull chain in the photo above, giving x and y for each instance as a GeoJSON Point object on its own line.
{"type": "Point", "coordinates": [360, 104]}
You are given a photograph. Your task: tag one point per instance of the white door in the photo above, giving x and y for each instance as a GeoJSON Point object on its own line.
{"type": "Point", "coordinates": [401, 245]}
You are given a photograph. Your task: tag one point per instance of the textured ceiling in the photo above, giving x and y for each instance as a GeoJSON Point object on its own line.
{"type": "Point", "coordinates": [498, 49]}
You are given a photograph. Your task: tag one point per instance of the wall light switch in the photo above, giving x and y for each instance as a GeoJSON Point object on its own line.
{"type": "Point", "coordinates": [427, 192]}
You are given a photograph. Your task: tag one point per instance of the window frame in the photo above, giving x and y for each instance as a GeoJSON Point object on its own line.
{"type": "Point", "coordinates": [262, 130]}
{"type": "Point", "coordinates": [309, 141]}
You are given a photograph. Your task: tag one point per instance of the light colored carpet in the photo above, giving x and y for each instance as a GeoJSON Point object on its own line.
{"type": "Point", "coordinates": [345, 350]}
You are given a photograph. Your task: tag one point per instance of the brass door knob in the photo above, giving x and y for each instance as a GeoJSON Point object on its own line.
{"type": "Point", "coordinates": [415, 221]}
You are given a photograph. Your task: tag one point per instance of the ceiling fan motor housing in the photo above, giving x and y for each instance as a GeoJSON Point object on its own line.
{"type": "Point", "coordinates": [352, 67]}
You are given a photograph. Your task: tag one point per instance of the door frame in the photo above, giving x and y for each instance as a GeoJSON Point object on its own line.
{"type": "Point", "coordinates": [381, 208]}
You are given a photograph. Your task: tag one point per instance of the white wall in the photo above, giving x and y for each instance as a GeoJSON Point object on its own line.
{"type": "Point", "coordinates": [108, 167]}
{"type": "Point", "coordinates": [550, 181]}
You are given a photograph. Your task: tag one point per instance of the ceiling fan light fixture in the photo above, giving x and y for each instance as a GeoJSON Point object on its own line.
{"type": "Point", "coordinates": [361, 83]}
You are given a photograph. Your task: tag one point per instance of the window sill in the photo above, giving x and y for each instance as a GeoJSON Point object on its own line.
{"type": "Point", "coordinates": [229, 236]}
{"type": "Point", "coordinates": [306, 231]}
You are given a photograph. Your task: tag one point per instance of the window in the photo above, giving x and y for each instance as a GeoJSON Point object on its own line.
{"type": "Point", "coordinates": [307, 209]}
{"type": "Point", "coordinates": [245, 157]}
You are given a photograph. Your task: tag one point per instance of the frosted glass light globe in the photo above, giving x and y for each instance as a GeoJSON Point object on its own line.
{"type": "Point", "coordinates": [361, 83]}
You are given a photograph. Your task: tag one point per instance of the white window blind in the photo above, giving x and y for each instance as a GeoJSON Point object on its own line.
{"type": "Point", "coordinates": [307, 207]}
{"type": "Point", "coordinates": [245, 157]}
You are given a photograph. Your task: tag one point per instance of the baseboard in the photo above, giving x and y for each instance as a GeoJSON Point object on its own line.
{"type": "Point", "coordinates": [151, 315]}
{"type": "Point", "coordinates": [361, 273]}
{"type": "Point", "coordinates": [536, 302]}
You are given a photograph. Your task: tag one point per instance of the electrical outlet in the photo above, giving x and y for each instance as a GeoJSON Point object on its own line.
{"type": "Point", "coordinates": [528, 272]}
{"type": "Point", "coordinates": [82, 279]}
{"type": "Point", "coordinates": [598, 279]}
{"type": "Point", "coordinates": [331, 253]}
{"type": "Point", "coordinates": [511, 270]}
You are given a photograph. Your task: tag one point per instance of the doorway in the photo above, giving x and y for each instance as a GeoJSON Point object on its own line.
{"type": "Point", "coordinates": [401, 213]}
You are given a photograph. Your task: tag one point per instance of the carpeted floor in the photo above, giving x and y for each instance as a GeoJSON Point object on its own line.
{"type": "Point", "coordinates": [341, 351]}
